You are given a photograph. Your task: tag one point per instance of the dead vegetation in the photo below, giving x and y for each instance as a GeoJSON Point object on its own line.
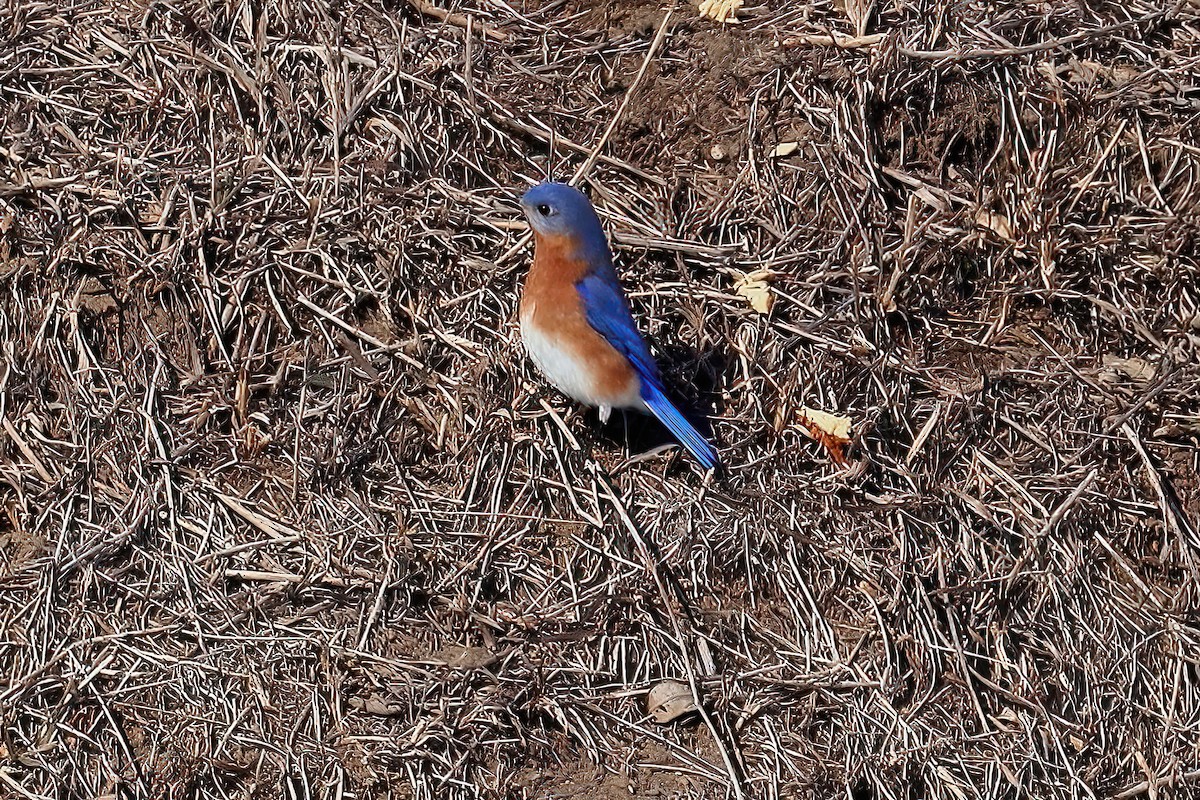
{"type": "Point", "coordinates": [285, 513]}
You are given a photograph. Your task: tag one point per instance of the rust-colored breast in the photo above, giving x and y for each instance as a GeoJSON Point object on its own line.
{"type": "Point", "coordinates": [551, 302]}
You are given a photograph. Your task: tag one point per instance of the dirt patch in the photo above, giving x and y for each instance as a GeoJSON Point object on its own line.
{"type": "Point", "coordinates": [647, 772]}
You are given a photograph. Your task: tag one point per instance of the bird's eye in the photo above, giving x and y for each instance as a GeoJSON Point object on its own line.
{"type": "Point", "coordinates": [543, 209]}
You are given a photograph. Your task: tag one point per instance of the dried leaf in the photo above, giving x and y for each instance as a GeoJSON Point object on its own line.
{"type": "Point", "coordinates": [95, 297]}
{"type": "Point", "coordinates": [1135, 369]}
{"type": "Point", "coordinates": [721, 10]}
{"type": "Point", "coordinates": [831, 430]}
{"type": "Point", "coordinates": [669, 700]}
{"type": "Point", "coordinates": [784, 149]}
{"type": "Point", "coordinates": [151, 213]}
{"type": "Point", "coordinates": [1179, 426]}
{"type": "Point", "coordinates": [377, 706]}
{"type": "Point", "coordinates": [994, 222]}
{"type": "Point", "coordinates": [926, 195]}
{"type": "Point", "coordinates": [468, 658]}
{"type": "Point", "coordinates": [1085, 72]}
{"type": "Point", "coordinates": [756, 288]}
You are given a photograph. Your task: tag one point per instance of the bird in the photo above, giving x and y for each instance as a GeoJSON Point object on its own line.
{"type": "Point", "coordinates": [576, 325]}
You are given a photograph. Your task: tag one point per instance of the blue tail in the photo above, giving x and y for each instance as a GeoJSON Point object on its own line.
{"type": "Point", "coordinates": [669, 415]}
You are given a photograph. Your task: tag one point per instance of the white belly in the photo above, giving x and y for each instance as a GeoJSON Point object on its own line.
{"type": "Point", "coordinates": [570, 374]}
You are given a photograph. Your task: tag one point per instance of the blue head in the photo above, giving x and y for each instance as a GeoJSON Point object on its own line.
{"type": "Point", "coordinates": [555, 209]}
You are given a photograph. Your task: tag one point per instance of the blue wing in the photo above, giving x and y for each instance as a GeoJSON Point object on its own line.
{"type": "Point", "coordinates": [608, 313]}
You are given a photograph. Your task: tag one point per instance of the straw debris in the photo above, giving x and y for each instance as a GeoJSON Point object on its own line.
{"type": "Point", "coordinates": [284, 511]}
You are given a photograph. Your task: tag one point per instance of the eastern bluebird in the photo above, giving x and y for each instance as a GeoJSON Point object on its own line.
{"type": "Point", "coordinates": [575, 320]}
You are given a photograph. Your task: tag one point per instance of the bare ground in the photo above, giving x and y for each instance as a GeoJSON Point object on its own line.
{"type": "Point", "coordinates": [286, 513]}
